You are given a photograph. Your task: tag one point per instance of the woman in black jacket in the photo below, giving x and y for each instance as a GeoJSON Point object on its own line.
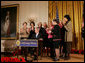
{"type": "Point", "coordinates": [32, 29]}
{"type": "Point", "coordinates": [56, 38]}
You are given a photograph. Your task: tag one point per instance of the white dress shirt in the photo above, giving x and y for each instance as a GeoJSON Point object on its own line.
{"type": "Point", "coordinates": [37, 35]}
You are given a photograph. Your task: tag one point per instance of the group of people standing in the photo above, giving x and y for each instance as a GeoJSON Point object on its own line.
{"type": "Point", "coordinates": [57, 36]}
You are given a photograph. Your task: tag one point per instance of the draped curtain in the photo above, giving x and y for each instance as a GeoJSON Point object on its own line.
{"type": "Point", "coordinates": [75, 10]}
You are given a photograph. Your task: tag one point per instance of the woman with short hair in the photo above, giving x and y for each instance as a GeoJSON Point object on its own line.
{"type": "Point", "coordinates": [32, 29]}
{"type": "Point", "coordinates": [24, 31]}
{"type": "Point", "coordinates": [56, 38]}
{"type": "Point", "coordinates": [68, 35]}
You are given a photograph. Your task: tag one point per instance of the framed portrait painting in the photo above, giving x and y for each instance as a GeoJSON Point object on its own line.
{"type": "Point", "coordinates": [9, 21]}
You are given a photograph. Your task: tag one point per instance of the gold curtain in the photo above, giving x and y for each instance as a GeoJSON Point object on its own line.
{"type": "Point", "coordinates": [75, 10]}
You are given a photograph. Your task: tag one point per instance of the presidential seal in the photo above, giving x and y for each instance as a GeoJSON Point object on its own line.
{"type": "Point", "coordinates": [17, 42]}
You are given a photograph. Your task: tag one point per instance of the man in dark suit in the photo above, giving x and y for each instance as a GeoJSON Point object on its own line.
{"type": "Point", "coordinates": [37, 36]}
{"type": "Point", "coordinates": [43, 33]}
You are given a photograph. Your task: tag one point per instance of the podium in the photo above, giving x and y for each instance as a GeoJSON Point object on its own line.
{"type": "Point", "coordinates": [30, 43]}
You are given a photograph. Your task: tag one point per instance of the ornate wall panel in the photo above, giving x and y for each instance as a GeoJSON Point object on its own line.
{"type": "Point", "coordinates": [60, 8]}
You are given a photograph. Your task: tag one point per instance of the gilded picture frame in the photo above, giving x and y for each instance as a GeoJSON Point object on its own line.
{"type": "Point", "coordinates": [9, 21]}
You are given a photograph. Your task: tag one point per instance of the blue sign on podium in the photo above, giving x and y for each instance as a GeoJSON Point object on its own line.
{"type": "Point", "coordinates": [29, 43]}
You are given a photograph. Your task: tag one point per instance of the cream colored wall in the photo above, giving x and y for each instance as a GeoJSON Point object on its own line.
{"type": "Point", "coordinates": [30, 9]}
{"type": "Point", "coordinates": [36, 9]}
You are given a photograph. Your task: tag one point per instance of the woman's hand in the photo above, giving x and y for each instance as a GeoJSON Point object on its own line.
{"type": "Point", "coordinates": [50, 31]}
{"type": "Point", "coordinates": [41, 39]}
{"type": "Point", "coordinates": [64, 22]}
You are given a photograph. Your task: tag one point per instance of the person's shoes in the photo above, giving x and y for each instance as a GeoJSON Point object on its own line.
{"type": "Point", "coordinates": [62, 57]}
{"type": "Point", "coordinates": [26, 60]}
{"type": "Point", "coordinates": [35, 57]}
{"type": "Point", "coordinates": [56, 59]}
{"type": "Point", "coordinates": [52, 56]}
{"type": "Point", "coordinates": [30, 61]}
{"type": "Point", "coordinates": [39, 57]}
{"type": "Point", "coordinates": [66, 58]}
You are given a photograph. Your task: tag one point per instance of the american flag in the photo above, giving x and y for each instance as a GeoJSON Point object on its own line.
{"type": "Point", "coordinates": [57, 16]}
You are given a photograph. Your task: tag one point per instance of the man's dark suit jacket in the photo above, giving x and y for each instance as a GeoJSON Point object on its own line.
{"type": "Point", "coordinates": [43, 33]}
{"type": "Point", "coordinates": [39, 43]}
{"type": "Point", "coordinates": [38, 37]}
